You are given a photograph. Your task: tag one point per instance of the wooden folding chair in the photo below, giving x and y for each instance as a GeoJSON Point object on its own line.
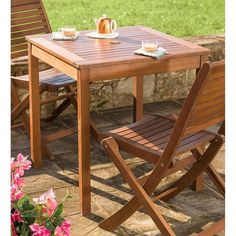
{"type": "Point", "coordinates": [159, 140]}
{"type": "Point", "coordinates": [29, 17]}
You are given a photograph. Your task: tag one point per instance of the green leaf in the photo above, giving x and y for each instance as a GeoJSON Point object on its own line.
{"type": "Point", "coordinates": [49, 225]}
{"type": "Point", "coordinates": [21, 203]}
{"type": "Point", "coordinates": [25, 231]}
{"type": "Point", "coordinates": [30, 214]}
{"type": "Point", "coordinates": [58, 220]}
{"type": "Point", "coordinates": [57, 211]}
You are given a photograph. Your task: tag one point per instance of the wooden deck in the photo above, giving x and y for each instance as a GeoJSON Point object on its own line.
{"type": "Point", "coordinates": [108, 190]}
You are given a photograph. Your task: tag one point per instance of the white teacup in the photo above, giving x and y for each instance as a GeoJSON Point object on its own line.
{"type": "Point", "coordinates": [150, 45]}
{"type": "Point", "coordinates": [68, 31]}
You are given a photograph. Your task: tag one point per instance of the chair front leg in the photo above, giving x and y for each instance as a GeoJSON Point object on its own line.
{"type": "Point", "coordinates": [112, 148]}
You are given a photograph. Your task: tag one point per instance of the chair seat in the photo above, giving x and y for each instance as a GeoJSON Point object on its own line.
{"type": "Point", "coordinates": [51, 79]}
{"type": "Point", "coordinates": [148, 138]}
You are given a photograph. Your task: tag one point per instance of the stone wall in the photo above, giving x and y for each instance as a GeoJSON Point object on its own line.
{"type": "Point", "coordinates": [157, 87]}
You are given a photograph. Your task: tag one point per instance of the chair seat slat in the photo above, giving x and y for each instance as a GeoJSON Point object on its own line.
{"type": "Point", "coordinates": [51, 77]}
{"type": "Point", "coordinates": [157, 139]}
{"type": "Point", "coordinates": [144, 132]}
{"type": "Point", "coordinates": [138, 126]}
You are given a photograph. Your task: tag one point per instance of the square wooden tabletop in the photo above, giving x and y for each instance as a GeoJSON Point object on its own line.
{"type": "Point", "coordinates": [91, 52]}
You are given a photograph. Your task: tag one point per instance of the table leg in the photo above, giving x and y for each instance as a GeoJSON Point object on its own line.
{"type": "Point", "coordinates": [137, 98]}
{"type": "Point", "coordinates": [198, 184]}
{"type": "Point", "coordinates": [84, 141]}
{"type": "Point", "coordinates": [34, 105]}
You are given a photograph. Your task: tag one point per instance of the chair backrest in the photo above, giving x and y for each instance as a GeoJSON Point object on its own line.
{"type": "Point", "coordinates": [204, 106]}
{"type": "Point", "coordinates": [28, 17]}
{"type": "Point", "coordinates": [209, 106]}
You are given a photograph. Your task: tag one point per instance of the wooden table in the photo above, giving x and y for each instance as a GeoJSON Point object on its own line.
{"type": "Point", "coordinates": [88, 60]}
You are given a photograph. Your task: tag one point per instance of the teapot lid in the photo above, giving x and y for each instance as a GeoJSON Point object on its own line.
{"type": "Point", "coordinates": [104, 16]}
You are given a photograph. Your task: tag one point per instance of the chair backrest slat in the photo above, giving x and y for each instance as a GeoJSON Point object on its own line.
{"type": "Point", "coordinates": [209, 107]}
{"type": "Point", "coordinates": [28, 17]}
{"type": "Point", "coordinates": [15, 3]}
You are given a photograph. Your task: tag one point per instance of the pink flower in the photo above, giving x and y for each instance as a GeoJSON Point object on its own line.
{"type": "Point", "coordinates": [20, 164]}
{"type": "Point", "coordinates": [39, 230]}
{"type": "Point", "coordinates": [16, 179]}
{"type": "Point", "coordinates": [63, 229]}
{"type": "Point", "coordinates": [16, 193]}
{"type": "Point", "coordinates": [51, 206]}
{"type": "Point", "coordinates": [47, 199]}
{"type": "Point", "coordinates": [13, 229]}
{"type": "Point", "coordinates": [16, 217]}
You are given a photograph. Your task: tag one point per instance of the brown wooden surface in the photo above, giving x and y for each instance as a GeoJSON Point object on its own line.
{"type": "Point", "coordinates": [98, 59]}
{"type": "Point", "coordinates": [34, 104]}
{"type": "Point", "coordinates": [198, 184]}
{"type": "Point", "coordinates": [27, 17]}
{"type": "Point", "coordinates": [93, 52]}
{"type": "Point", "coordinates": [148, 135]}
{"type": "Point", "coordinates": [84, 141]}
{"type": "Point", "coordinates": [149, 138]}
{"type": "Point", "coordinates": [137, 98]}
{"type": "Point", "coordinates": [213, 229]}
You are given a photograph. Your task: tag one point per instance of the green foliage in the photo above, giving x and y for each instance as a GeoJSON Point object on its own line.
{"type": "Point", "coordinates": [176, 17]}
{"type": "Point", "coordinates": [57, 211]}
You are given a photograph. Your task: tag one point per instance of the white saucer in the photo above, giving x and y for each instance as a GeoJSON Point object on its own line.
{"type": "Point", "coordinates": [102, 36]}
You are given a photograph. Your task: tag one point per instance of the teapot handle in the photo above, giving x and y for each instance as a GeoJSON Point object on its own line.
{"type": "Point", "coordinates": [113, 25]}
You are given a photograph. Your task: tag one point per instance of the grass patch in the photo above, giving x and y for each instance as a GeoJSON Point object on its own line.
{"type": "Point", "coordinates": [176, 17]}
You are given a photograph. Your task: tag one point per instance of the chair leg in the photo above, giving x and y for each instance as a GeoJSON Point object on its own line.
{"type": "Point", "coordinates": [112, 148]}
{"type": "Point", "coordinates": [25, 119]}
{"type": "Point", "coordinates": [211, 172]}
{"type": "Point", "coordinates": [21, 107]}
{"type": "Point", "coordinates": [72, 98]}
{"type": "Point", "coordinates": [200, 166]}
{"type": "Point", "coordinates": [63, 105]}
{"type": "Point", "coordinates": [216, 178]}
{"type": "Point", "coordinates": [213, 229]}
{"type": "Point", "coordinates": [59, 110]}
{"type": "Point", "coordinates": [16, 101]}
